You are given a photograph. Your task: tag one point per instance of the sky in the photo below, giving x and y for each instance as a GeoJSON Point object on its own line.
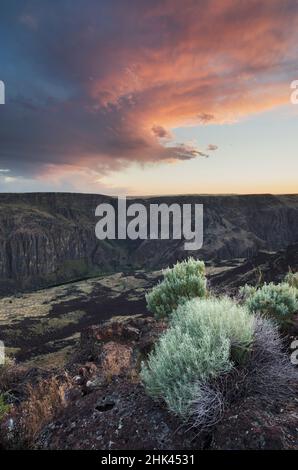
{"type": "Point", "coordinates": [139, 97]}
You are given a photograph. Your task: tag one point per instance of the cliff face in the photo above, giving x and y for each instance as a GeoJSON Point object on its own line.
{"type": "Point", "coordinates": [48, 238]}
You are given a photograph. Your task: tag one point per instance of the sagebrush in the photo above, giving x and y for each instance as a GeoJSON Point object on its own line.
{"type": "Point", "coordinates": [214, 353]}
{"type": "Point", "coordinates": [183, 282]}
{"type": "Point", "coordinates": [278, 301]}
{"type": "Point", "coordinates": [206, 338]}
{"type": "Point", "coordinates": [266, 374]}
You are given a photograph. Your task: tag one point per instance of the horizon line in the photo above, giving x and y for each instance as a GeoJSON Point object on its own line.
{"type": "Point", "coordinates": [145, 195]}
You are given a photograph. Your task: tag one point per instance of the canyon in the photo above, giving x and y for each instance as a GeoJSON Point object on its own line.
{"type": "Point", "coordinates": [48, 239]}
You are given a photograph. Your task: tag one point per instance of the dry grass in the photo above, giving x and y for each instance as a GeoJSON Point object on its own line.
{"type": "Point", "coordinates": [44, 402]}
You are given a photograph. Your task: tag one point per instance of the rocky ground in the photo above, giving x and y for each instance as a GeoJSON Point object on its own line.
{"type": "Point", "coordinates": [107, 408]}
{"type": "Point", "coordinates": [103, 404]}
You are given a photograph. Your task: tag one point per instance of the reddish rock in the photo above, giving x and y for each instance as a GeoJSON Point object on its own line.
{"type": "Point", "coordinates": [118, 346]}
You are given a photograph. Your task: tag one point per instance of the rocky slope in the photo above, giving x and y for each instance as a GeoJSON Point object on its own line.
{"type": "Point", "coordinates": [104, 406]}
{"type": "Point", "coordinates": [264, 267]}
{"type": "Point", "coordinates": [107, 408]}
{"type": "Point", "coordinates": [49, 238]}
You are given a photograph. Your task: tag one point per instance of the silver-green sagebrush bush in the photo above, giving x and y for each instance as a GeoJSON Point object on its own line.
{"type": "Point", "coordinates": [206, 338]}
{"type": "Point", "coordinates": [214, 353]}
{"type": "Point", "coordinates": [183, 282]}
{"type": "Point", "coordinates": [266, 374]}
{"type": "Point", "coordinates": [278, 301]}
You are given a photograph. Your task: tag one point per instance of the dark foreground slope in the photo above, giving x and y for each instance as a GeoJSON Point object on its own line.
{"type": "Point", "coordinates": [105, 406]}
{"type": "Point", "coordinates": [110, 406]}
{"type": "Point", "coordinates": [49, 238]}
{"type": "Point", "coordinates": [100, 403]}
